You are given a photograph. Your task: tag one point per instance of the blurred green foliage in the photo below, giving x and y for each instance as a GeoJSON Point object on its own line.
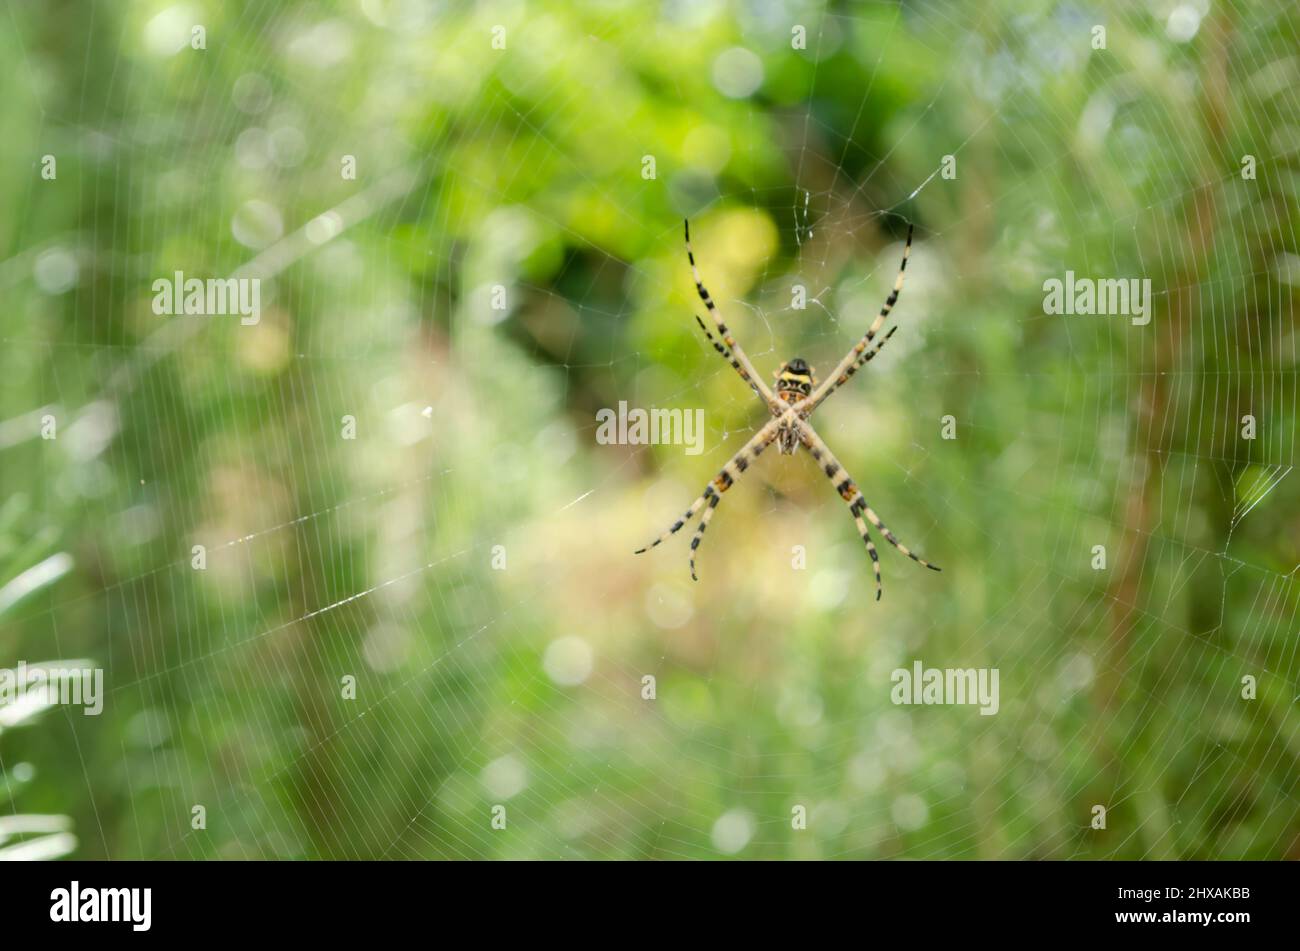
{"type": "Point", "coordinates": [329, 558]}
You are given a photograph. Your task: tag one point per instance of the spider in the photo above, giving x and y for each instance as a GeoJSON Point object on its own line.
{"type": "Point", "coordinates": [798, 393]}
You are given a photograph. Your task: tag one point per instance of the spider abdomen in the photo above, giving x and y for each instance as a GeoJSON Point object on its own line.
{"type": "Point", "coordinates": [795, 380]}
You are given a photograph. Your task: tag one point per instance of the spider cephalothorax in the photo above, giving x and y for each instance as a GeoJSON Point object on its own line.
{"type": "Point", "coordinates": [797, 394]}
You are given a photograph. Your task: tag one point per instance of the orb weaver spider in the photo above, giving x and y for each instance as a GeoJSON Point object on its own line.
{"type": "Point", "coordinates": [798, 394]}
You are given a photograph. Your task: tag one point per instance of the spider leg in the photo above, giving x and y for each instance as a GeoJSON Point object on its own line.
{"type": "Point", "coordinates": [852, 497]}
{"type": "Point", "coordinates": [841, 372]}
{"type": "Point", "coordinates": [810, 404]}
{"type": "Point", "coordinates": [738, 358]}
{"type": "Point", "coordinates": [727, 476]}
{"type": "Point", "coordinates": [730, 358]}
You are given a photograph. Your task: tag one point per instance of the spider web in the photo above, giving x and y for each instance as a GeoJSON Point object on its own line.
{"type": "Point", "coordinates": [522, 687]}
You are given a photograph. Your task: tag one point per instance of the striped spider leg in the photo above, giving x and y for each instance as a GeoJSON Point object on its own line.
{"type": "Point", "coordinates": [732, 351]}
{"type": "Point", "coordinates": [812, 402]}
{"type": "Point", "coordinates": [730, 358]}
{"type": "Point", "coordinates": [852, 496]}
{"type": "Point", "coordinates": [727, 476]}
{"type": "Point", "coordinates": [859, 354]}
